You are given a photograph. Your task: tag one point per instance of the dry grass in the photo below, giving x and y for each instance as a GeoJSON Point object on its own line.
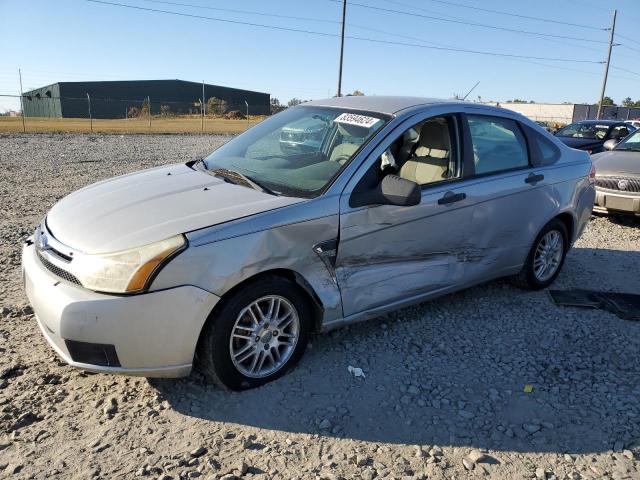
{"type": "Point", "coordinates": [134, 125]}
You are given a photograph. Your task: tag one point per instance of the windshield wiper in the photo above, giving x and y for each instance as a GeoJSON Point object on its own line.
{"type": "Point", "coordinates": [240, 179]}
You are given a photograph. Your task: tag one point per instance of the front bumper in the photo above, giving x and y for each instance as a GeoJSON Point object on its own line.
{"type": "Point", "coordinates": [154, 334]}
{"type": "Point", "coordinates": [608, 201]}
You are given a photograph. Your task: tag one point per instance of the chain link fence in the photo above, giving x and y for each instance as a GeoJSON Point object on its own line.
{"type": "Point", "coordinates": [109, 115]}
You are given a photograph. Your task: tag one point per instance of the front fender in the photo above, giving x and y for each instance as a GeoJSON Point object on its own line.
{"type": "Point", "coordinates": [221, 265]}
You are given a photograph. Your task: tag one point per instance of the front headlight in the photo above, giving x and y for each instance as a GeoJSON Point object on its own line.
{"type": "Point", "coordinates": [127, 271]}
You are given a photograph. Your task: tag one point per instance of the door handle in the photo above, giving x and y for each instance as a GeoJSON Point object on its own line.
{"type": "Point", "coordinates": [451, 197]}
{"type": "Point", "coordinates": [534, 178]}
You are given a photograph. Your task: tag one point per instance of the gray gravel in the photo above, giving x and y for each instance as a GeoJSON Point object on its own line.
{"type": "Point", "coordinates": [442, 395]}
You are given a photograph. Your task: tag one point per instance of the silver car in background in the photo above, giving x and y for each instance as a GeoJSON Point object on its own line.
{"type": "Point", "coordinates": [618, 178]}
{"type": "Point", "coordinates": [231, 262]}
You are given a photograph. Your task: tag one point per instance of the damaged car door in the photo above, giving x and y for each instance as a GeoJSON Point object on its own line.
{"type": "Point", "coordinates": [512, 195]}
{"type": "Point", "coordinates": [389, 254]}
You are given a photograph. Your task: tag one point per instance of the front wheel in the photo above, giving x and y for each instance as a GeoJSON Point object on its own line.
{"type": "Point", "coordinates": [546, 257]}
{"type": "Point", "coordinates": [258, 335]}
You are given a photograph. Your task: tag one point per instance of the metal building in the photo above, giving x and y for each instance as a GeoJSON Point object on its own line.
{"type": "Point", "coordinates": [113, 99]}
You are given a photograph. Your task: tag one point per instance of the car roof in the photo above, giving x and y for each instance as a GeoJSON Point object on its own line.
{"type": "Point", "coordinates": [600, 122]}
{"type": "Point", "coordinates": [382, 104]}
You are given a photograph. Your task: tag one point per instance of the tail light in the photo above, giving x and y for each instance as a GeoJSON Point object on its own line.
{"type": "Point", "coordinates": [592, 174]}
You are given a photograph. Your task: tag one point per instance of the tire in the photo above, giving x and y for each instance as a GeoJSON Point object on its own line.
{"type": "Point", "coordinates": [249, 307]}
{"type": "Point", "coordinates": [528, 278]}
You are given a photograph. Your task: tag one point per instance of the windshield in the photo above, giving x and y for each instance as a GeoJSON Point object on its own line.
{"type": "Point", "coordinates": [632, 142]}
{"type": "Point", "coordinates": [299, 151]}
{"type": "Point", "coordinates": [591, 131]}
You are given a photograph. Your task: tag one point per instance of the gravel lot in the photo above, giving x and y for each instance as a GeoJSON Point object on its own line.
{"type": "Point", "coordinates": [442, 398]}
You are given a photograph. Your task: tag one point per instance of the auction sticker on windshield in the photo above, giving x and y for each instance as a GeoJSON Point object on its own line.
{"type": "Point", "coordinates": [358, 120]}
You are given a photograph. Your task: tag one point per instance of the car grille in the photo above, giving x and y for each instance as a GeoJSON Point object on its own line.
{"type": "Point", "coordinates": [623, 184]}
{"type": "Point", "coordinates": [59, 272]}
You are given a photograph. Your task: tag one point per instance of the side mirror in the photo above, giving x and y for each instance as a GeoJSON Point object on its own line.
{"type": "Point", "coordinates": [610, 144]}
{"type": "Point", "coordinates": [392, 190]}
{"type": "Point", "coordinates": [395, 190]}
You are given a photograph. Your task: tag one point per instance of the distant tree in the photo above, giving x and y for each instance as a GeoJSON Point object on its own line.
{"type": "Point", "coordinates": [608, 101]}
{"type": "Point", "coordinates": [212, 104]}
{"type": "Point", "coordinates": [276, 106]}
{"type": "Point", "coordinates": [356, 93]}
{"type": "Point", "coordinates": [133, 112]}
{"type": "Point", "coordinates": [627, 102]}
{"type": "Point", "coordinates": [293, 102]}
{"type": "Point", "coordinates": [216, 106]}
{"type": "Point", "coordinates": [457, 96]}
{"type": "Point", "coordinates": [165, 111]}
{"type": "Point", "coordinates": [144, 109]}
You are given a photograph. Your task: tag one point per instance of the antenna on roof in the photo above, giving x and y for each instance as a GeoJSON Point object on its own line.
{"type": "Point", "coordinates": [472, 89]}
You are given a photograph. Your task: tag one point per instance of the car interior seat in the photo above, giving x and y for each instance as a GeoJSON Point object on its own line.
{"type": "Point", "coordinates": [429, 161]}
{"type": "Point", "coordinates": [350, 138]}
{"type": "Point", "coordinates": [407, 145]}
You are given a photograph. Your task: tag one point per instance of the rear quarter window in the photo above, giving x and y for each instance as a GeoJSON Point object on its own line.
{"type": "Point", "coordinates": [543, 150]}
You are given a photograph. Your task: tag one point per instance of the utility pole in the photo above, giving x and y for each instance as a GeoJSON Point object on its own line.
{"type": "Point", "coordinates": [606, 68]}
{"type": "Point", "coordinates": [24, 127]}
{"type": "Point", "coordinates": [202, 109]}
{"type": "Point", "coordinates": [344, 14]}
{"type": "Point", "coordinates": [90, 116]}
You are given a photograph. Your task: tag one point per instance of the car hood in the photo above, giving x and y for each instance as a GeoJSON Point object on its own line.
{"type": "Point", "coordinates": [144, 207]}
{"type": "Point", "coordinates": [617, 162]}
{"type": "Point", "coordinates": [580, 143]}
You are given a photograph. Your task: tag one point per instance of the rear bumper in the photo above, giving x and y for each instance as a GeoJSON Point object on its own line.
{"type": "Point", "coordinates": [616, 202]}
{"type": "Point", "coordinates": [152, 334]}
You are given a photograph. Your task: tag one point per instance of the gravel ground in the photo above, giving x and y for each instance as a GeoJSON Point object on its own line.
{"type": "Point", "coordinates": [442, 398]}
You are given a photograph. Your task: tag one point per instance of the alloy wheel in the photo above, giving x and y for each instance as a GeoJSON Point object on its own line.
{"type": "Point", "coordinates": [264, 336]}
{"type": "Point", "coordinates": [548, 255]}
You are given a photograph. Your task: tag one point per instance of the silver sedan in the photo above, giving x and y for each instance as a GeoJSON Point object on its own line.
{"type": "Point", "coordinates": [618, 178]}
{"type": "Point", "coordinates": [231, 262]}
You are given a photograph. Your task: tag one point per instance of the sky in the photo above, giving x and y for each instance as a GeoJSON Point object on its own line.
{"type": "Point", "coordinates": [79, 40]}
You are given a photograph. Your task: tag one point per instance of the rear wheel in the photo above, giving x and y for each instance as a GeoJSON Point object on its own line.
{"type": "Point", "coordinates": [257, 336]}
{"type": "Point", "coordinates": [546, 257]}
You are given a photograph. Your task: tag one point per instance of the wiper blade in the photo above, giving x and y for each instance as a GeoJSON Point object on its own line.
{"type": "Point", "coordinates": [241, 179]}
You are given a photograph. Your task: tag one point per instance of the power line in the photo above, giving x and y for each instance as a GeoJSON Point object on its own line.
{"type": "Point", "coordinates": [552, 40]}
{"type": "Point", "coordinates": [333, 35]}
{"type": "Point", "coordinates": [625, 70]}
{"type": "Point", "coordinates": [247, 12]}
{"type": "Point", "coordinates": [500, 12]}
{"type": "Point", "coordinates": [628, 38]}
{"type": "Point", "coordinates": [472, 24]}
{"type": "Point", "coordinates": [630, 48]}
{"type": "Point", "coordinates": [321, 20]}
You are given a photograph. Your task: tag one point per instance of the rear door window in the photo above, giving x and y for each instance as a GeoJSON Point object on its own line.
{"type": "Point", "coordinates": [498, 144]}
